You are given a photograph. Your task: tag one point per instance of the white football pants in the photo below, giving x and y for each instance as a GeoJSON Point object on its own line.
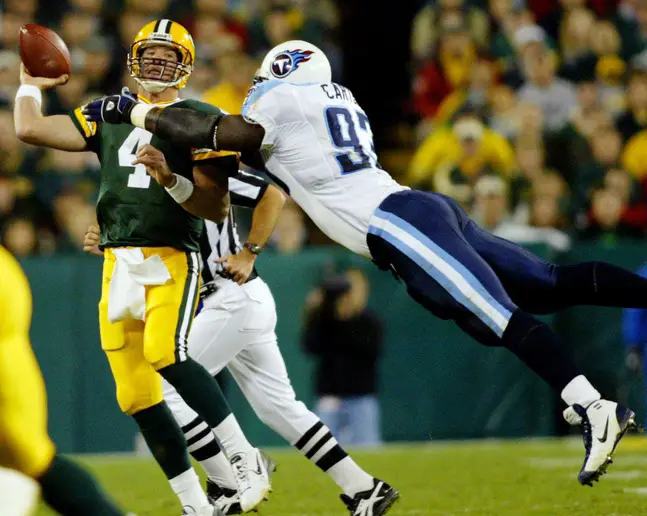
{"type": "Point", "coordinates": [236, 329]}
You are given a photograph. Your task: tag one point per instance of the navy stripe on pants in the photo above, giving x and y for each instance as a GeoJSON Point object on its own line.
{"type": "Point", "coordinates": [422, 237]}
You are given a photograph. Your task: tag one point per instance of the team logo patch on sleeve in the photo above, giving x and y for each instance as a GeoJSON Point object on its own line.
{"type": "Point", "coordinates": [286, 62]}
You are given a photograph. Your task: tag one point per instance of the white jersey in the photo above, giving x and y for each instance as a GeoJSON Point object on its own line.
{"type": "Point", "coordinates": [318, 145]}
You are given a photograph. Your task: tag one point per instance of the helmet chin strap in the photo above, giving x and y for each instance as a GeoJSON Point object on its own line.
{"type": "Point", "coordinates": [154, 86]}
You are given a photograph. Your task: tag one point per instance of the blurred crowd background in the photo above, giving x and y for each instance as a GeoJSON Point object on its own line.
{"type": "Point", "coordinates": [532, 114]}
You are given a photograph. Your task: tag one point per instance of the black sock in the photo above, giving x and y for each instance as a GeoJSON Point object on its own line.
{"type": "Point", "coordinates": [314, 440]}
{"type": "Point", "coordinates": [164, 439]}
{"type": "Point", "coordinates": [200, 440]}
{"type": "Point", "coordinates": [199, 390]}
{"type": "Point", "coordinates": [601, 284]}
{"type": "Point", "coordinates": [72, 491]}
{"type": "Point", "coordinates": [540, 349]}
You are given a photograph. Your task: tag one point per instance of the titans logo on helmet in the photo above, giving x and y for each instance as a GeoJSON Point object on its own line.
{"type": "Point", "coordinates": [286, 62]}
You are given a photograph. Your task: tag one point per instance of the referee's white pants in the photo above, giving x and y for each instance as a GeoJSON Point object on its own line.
{"type": "Point", "coordinates": [236, 329]}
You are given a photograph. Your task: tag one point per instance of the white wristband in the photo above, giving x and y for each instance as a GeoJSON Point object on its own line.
{"type": "Point", "coordinates": [29, 90]}
{"type": "Point", "coordinates": [182, 190]}
{"type": "Point", "coordinates": [138, 114]}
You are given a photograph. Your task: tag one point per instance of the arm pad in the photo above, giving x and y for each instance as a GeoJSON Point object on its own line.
{"type": "Point", "coordinates": [183, 126]}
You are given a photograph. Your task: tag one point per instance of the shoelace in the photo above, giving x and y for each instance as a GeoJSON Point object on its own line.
{"type": "Point", "coordinates": [242, 479]}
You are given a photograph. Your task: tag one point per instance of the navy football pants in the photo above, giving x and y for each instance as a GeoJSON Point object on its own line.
{"type": "Point", "coordinates": [457, 270]}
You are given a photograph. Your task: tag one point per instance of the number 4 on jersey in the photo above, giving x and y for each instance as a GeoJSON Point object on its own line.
{"type": "Point", "coordinates": [343, 128]}
{"type": "Point", "coordinates": [127, 154]}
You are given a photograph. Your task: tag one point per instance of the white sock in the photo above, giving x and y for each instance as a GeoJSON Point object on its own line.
{"type": "Point", "coordinates": [188, 489]}
{"type": "Point", "coordinates": [231, 438]}
{"type": "Point", "coordinates": [580, 391]}
{"type": "Point", "coordinates": [350, 477]}
{"type": "Point", "coordinates": [219, 471]}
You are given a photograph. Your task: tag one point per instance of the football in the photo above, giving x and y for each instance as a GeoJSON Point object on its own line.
{"type": "Point", "coordinates": [43, 52]}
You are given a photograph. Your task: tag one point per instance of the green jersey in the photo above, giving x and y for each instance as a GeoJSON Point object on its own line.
{"type": "Point", "coordinates": [133, 209]}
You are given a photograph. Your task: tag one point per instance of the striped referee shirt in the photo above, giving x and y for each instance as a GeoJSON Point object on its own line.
{"type": "Point", "coordinates": [219, 240]}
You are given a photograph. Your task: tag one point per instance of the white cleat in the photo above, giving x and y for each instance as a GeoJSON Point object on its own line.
{"type": "Point", "coordinates": [604, 423]}
{"type": "Point", "coordinates": [252, 477]}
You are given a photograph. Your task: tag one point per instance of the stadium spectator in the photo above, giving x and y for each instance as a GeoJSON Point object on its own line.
{"type": "Point", "coordinates": [19, 237]}
{"type": "Point", "coordinates": [98, 64]}
{"type": "Point", "coordinates": [634, 156]}
{"type": "Point", "coordinates": [504, 111]}
{"type": "Point", "coordinates": [94, 7]}
{"type": "Point", "coordinates": [606, 146]}
{"type": "Point", "coordinates": [280, 22]}
{"type": "Point", "coordinates": [152, 8]}
{"type": "Point", "coordinates": [476, 97]}
{"type": "Point", "coordinates": [578, 60]}
{"type": "Point", "coordinates": [26, 8]}
{"type": "Point", "coordinates": [217, 35]}
{"type": "Point", "coordinates": [449, 70]}
{"type": "Point", "coordinates": [346, 338]}
{"type": "Point", "coordinates": [235, 72]}
{"type": "Point", "coordinates": [67, 171]}
{"type": "Point", "coordinates": [425, 32]}
{"type": "Point", "coordinates": [605, 219]}
{"type": "Point", "coordinates": [10, 24]}
{"type": "Point", "coordinates": [635, 34]}
{"type": "Point", "coordinates": [130, 21]}
{"type": "Point", "coordinates": [9, 72]}
{"type": "Point", "coordinates": [549, 202]}
{"type": "Point", "coordinates": [456, 155]}
{"type": "Point", "coordinates": [634, 119]}
{"type": "Point", "coordinates": [491, 211]}
{"type": "Point", "coordinates": [556, 97]}
{"type": "Point", "coordinates": [517, 36]}
{"type": "Point", "coordinates": [610, 68]}
{"type": "Point", "coordinates": [79, 27]}
{"type": "Point", "coordinates": [15, 159]}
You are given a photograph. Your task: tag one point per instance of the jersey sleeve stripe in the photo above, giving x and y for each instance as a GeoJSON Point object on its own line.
{"type": "Point", "coordinates": [204, 154]}
{"type": "Point", "coordinates": [89, 128]}
{"type": "Point", "coordinates": [257, 92]}
{"type": "Point", "coordinates": [245, 189]}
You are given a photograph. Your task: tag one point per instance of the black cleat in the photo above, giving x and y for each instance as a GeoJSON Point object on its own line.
{"type": "Point", "coordinates": [225, 499]}
{"type": "Point", "coordinates": [374, 502]}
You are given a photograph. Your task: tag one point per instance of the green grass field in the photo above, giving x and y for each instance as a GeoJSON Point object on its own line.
{"type": "Point", "coordinates": [510, 478]}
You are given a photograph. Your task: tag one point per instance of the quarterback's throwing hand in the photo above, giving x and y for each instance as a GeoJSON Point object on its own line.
{"type": "Point", "coordinates": [42, 83]}
{"type": "Point", "coordinates": [113, 109]}
{"type": "Point", "coordinates": [156, 165]}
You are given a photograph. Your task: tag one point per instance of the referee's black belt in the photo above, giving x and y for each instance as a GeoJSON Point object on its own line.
{"type": "Point", "coordinates": [211, 288]}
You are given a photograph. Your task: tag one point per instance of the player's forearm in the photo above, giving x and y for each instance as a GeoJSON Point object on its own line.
{"type": "Point", "coordinates": [26, 117]}
{"type": "Point", "coordinates": [199, 130]}
{"type": "Point", "coordinates": [208, 203]}
{"type": "Point", "coordinates": [266, 216]}
{"type": "Point", "coordinates": [53, 131]}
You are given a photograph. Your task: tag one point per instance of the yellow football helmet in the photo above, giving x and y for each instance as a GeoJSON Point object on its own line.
{"type": "Point", "coordinates": [164, 33]}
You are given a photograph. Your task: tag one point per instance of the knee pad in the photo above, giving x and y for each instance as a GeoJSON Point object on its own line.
{"type": "Point", "coordinates": [133, 398]}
